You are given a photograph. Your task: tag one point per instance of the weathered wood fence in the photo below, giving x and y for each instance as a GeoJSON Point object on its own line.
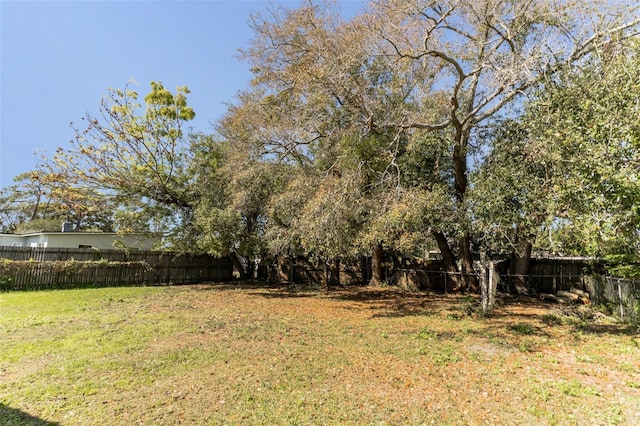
{"type": "Point", "coordinates": [546, 274]}
{"type": "Point", "coordinates": [42, 268]}
{"type": "Point", "coordinates": [623, 295]}
{"type": "Point", "coordinates": [300, 270]}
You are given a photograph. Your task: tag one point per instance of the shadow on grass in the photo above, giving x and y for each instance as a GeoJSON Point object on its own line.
{"type": "Point", "coordinates": [235, 285]}
{"type": "Point", "coordinates": [393, 302]}
{"type": "Point", "coordinates": [266, 289]}
{"type": "Point", "coordinates": [516, 315]}
{"type": "Point", "coordinates": [11, 416]}
{"type": "Point", "coordinates": [611, 329]}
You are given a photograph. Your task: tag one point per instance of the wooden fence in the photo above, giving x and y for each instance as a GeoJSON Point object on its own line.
{"type": "Point", "coordinates": [546, 275]}
{"type": "Point", "coordinates": [301, 270]}
{"type": "Point", "coordinates": [41, 268]}
{"type": "Point", "coordinates": [622, 295]}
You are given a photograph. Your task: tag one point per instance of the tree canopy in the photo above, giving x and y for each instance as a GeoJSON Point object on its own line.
{"type": "Point", "coordinates": [359, 102]}
{"type": "Point", "coordinates": [487, 126]}
{"type": "Point", "coordinates": [134, 155]}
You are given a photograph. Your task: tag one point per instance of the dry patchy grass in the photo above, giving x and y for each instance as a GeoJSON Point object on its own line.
{"type": "Point", "coordinates": [251, 355]}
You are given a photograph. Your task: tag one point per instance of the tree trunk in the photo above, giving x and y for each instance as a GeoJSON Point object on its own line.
{"type": "Point", "coordinates": [235, 259]}
{"type": "Point", "coordinates": [376, 265]}
{"type": "Point", "coordinates": [546, 297]}
{"type": "Point", "coordinates": [468, 278]}
{"type": "Point", "coordinates": [452, 276]}
{"type": "Point", "coordinates": [519, 268]}
{"type": "Point", "coordinates": [251, 269]}
{"type": "Point", "coordinates": [333, 272]}
{"type": "Point", "coordinates": [78, 224]}
{"type": "Point", "coordinates": [571, 296]}
{"type": "Point", "coordinates": [488, 284]}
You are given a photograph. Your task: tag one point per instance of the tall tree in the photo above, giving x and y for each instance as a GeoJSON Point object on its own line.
{"type": "Point", "coordinates": [586, 123]}
{"type": "Point", "coordinates": [134, 154]}
{"type": "Point", "coordinates": [563, 177]}
{"type": "Point", "coordinates": [21, 202]}
{"type": "Point", "coordinates": [36, 203]}
{"type": "Point", "coordinates": [403, 69]}
{"type": "Point", "coordinates": [511, 199]}
{"type": "Point", "coordinates": [489, 53]}
{"type": "Point", "coordinates": [308, 108]}
{"type": "Point", "coordinates": [230, 211]}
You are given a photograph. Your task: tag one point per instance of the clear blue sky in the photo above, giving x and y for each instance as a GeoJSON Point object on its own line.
{"type": "Point", "coordinates": [59, 58]}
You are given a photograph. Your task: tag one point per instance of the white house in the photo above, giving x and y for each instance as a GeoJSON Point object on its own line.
{"type": "Point", "coordinates": [96, 240]}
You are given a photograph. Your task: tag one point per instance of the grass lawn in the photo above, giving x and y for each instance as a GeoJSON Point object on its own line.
{"type": "Point", "coordinates": [245, 355]}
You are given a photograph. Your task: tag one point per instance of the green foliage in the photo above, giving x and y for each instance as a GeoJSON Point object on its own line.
{"type": "Point", "coordinates": [37, 202]}
{"type": "Point", "coordinates": [445, 355]}
{"type": "Point", "coordinates": [521, 328]}
{"type": "Point", "coordinates": [383, 125]}
{"type": "Point", "coordinates": [552, 319]}
{"type": "Point", "coordinates": [622, 265]}
{"type": "Point", "coordinates": [564, 174]}
{"type": "Point", "coordinates": [235, 191]}
{"type": "Point", "coordinates": [577, 389]}
{"type": "Point", "coordinates": [131, 159]}
{"type": "Point", "coordinates": [585, 124]}
{"type": "Point", "coordinates": [426, 160]}
{"type": "Point", "coordinates": [386, 130]}
{"type": "Point", "coordinates": [39, 225]}
{"type": "Point", "coordinates": [405, 223]}
{"type": "Point", "coordinates": [333, 217]}
{"type": "Point", "coordinates": [57, 270]}
{"type": "Point", "coordinates": [509, 198]}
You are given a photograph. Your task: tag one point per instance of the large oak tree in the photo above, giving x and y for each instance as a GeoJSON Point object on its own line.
{"type": "Point", "coordinates": [402, 70]}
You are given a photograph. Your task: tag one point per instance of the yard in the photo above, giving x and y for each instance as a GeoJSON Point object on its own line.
{"type": "Point", "coordinates": [241, 354]}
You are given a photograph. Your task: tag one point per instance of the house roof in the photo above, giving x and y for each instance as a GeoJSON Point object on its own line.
{"type": "Point", "coordinates": [31, 234]}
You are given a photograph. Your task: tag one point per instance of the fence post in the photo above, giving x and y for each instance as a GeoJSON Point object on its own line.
{"type": "Point", "coordinates": [493, 284]}
{"type": "Point", "coordinates": [620, 300]}
{"type": "Point", "coordinates": [167, 278]}
{"type": "Point", "coordinates": [484, 284]}
{"type": "Point", "coordinates": [487, 284]}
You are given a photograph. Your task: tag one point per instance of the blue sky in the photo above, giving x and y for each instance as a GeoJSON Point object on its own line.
{"type": "Point", "coordinates": [58, 59]}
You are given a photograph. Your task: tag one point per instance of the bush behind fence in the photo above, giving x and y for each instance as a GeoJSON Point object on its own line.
{"type": "Point", "coordinates": [44, 268]}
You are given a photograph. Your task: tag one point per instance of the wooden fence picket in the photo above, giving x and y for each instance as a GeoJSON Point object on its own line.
{"type": "Point", "coordinates": [105, 268]}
